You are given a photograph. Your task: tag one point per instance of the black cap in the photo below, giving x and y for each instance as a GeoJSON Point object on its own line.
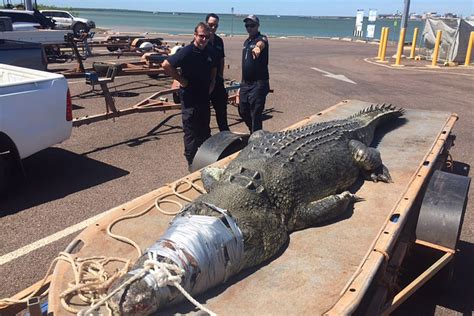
{"type": "Point", "coordinates": [252, 18]}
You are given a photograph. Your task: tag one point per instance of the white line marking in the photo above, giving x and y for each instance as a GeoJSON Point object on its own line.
{"type": "Point", "coordinates": [330, 75]}
{"type": "Point", "coordinates": [50, 239]}
{"type": "Point", "coordinates": [443, 71]}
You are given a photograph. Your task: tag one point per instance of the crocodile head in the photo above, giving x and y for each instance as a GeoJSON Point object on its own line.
{"type": "Point", "coordinates": [136, 298]}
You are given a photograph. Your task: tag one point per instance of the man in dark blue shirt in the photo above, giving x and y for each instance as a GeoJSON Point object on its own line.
{"type": "Point", "coordinates": [254, 85]}
{"type": "Point", "coordinates": [219, 96]}
{"type": "Point", "coordinates": [197, 79]}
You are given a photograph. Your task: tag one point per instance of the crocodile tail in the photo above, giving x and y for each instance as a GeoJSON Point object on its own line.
{"type": "Point", "coordinates": [378, 113]}
{"type": "Point", "coordinates": [369, 118]}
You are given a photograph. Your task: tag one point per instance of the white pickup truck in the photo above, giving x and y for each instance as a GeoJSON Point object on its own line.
{"type": "Point", "coordinates": [65, 20]}
{"type": "Point", "coordinates": [35, 113]}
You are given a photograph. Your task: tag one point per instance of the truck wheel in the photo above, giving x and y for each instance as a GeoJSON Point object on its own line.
{"type": "Point", "coordinates": [79, 28]}
{"type": "Point", "coordinates": [112, 48]}
{"type": "Point", "coordinates": [4, 173]}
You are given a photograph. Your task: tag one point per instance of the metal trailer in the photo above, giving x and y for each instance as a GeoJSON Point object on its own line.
{"type": "Point", "coordinates": [351, 266]}
{"type": "Point", "coordinates": [164, 100]}
{"type": "Point", "coordinates": [125, 42]}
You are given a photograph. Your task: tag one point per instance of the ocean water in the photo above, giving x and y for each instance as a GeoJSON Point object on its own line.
{"type": "Point", "coordinates": [184, 23]}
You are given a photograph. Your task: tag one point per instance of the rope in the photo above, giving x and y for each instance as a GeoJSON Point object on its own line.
{"type": "Point", "coordinates": [91, 280]}
{"type": "Point", "coordinates": [162, 272]}
{"type": "Point", "coordinates": [5, 302]}
{"type": "Point", "coordinates": [175, 192]}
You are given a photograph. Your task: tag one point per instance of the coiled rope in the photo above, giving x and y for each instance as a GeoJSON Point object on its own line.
{"type": "Point", "coordinates": [91, 280]}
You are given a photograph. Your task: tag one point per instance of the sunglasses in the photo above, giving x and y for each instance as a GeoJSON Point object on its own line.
{"type": "Point", "coordinates": [203, 36]}
{"type": "Point", "coordinates": [213, 25]}
{"type": "Point", "coordinates": [250, 25]}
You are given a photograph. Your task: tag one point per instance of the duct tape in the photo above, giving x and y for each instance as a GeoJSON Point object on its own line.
{"type": "Point", "coordinates": [207, 248]}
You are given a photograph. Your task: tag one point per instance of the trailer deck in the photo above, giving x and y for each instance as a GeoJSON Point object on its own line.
{"type": "Point", "coordinates": [323, 269]}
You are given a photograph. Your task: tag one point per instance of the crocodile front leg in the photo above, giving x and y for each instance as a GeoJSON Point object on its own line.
{"type": "Point", "coordinates": [369, 161]}
{"type": "Point", "coordinates": [322, 210]}
{"type": "Point", "coordinates": [210, 176]}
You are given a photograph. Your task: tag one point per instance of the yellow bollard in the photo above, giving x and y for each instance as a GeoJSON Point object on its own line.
{"type": "Point", "coordinates": [436, 49]}
{"type": "Point", "coordinates": [384, 45]}
{"type": "Point", "coordinates": [382, 34]}
{"type": "Point", "coordinates": [401, 42]}
{"type": "Point", "coordinates": [413, 44]}
{"type": "Point", "coordinates": [469, 50]}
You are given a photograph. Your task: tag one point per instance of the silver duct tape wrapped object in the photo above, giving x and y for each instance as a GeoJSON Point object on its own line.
{"type": "Point", "coordinates": [204, 247]}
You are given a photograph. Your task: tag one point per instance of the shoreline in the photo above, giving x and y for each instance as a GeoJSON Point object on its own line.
{"type": "Point", "coordinates": [115, 31]}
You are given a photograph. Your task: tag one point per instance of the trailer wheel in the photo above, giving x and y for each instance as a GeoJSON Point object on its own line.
{"type": "Point", "coordinates": [112, 48]}
{"type": "Point", "coordinates": [441, 216]}
{"type": "Point", "coordinates": [217, 147]}
{"type": "Point", "coordinates": [442, 209]}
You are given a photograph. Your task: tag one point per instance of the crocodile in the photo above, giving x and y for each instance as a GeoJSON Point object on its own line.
{"type": "Point", "coordinates": [279, 183]}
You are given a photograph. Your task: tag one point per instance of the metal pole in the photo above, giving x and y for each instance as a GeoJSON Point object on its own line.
{"type": "Point", "coordinates": [384, 45]}
{"type": "Point", "coordinates": [413, 44]}
{"type": "Point", "coordinates": [28, 5]}
{"type": "Point", "coordinates": [406, 12]}
{"type": "Point", "coordinates": [232, 23]}
{"type": "Point", "coordinates": [401, 41]}
{"type": "Point", "coordinates": [382, 34]}
{"type": "Point", "coordinates": [469, 50]}
{"type": "Point", "coordinates": [436, 49]}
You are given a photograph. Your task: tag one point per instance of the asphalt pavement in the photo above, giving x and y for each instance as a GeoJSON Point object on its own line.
{"type": "Point", "coordinates": [108, 163]}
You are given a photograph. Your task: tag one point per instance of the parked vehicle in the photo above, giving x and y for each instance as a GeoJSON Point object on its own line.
{"type": "Point", "coordinates": [35, 113]}
{"type": "Point", "coordinates": [23, 54]}
{"type": "Point", "coordinates": [65, 20]}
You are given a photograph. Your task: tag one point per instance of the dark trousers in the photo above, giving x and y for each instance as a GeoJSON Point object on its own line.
{"type": "Point", "coordinates": [219, 98]}
{"type": "Point", "coordinates": [196, 120]}
{"type": "Point", "coordinates": [252, 103]}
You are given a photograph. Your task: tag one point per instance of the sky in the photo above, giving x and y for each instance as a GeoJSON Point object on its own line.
{"type": "Point", "coordinates": [276, 7]}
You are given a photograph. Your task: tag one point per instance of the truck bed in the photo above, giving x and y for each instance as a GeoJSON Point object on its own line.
{"type": "Point", "coordinates": [33, 108]}
{"type": "Point", "coordinates": [325, 268]}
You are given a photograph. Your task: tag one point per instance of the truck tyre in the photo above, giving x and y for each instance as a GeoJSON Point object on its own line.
{"type": "Point", "coordinates": [4, 173]}
{"type": "Point", "coordinates": [112, 48]}
{"type": "Point", "coordinates": [79, 28]}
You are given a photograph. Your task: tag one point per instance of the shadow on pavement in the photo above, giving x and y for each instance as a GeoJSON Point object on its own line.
{"type": "Point", "coordinates": [52, 174]}
{"type": "Point", "coordinates": [454, 298]}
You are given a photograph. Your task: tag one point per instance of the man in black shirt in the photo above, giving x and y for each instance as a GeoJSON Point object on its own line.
{"type": "Point", "coordinates": [254, 86]}
{"type": "Point", "coordinates": [197, 79]}
{"type": "Point", "coordinates": [219, 96]}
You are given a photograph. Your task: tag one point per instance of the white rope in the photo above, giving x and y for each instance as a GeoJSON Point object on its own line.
{"type": "Point", "coordinates": [179, 193]}
{"type": "Point", "coordinates": [90, 279]}
{"type": "Point", "coordinates": [162, 273]}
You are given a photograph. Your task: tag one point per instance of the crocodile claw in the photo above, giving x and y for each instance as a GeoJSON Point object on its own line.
{"type": "Point", "coordinates": [382, 175]}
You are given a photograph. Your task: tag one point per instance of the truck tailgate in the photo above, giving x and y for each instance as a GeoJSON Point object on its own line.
{"type": "Point", "coordinates": [33, 108]}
